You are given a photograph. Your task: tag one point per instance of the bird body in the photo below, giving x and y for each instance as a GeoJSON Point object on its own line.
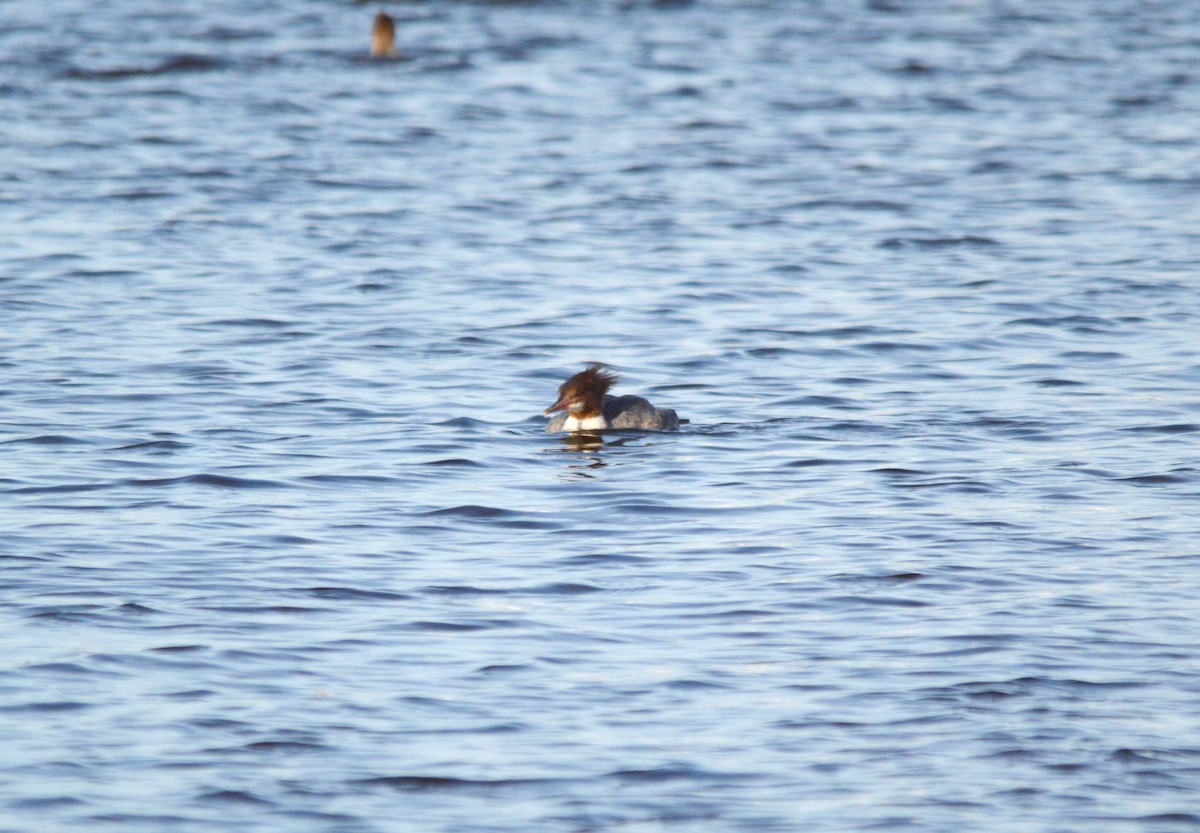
{"type": "Point", "coordinates": [588, 407]}
{"type": "Point", "coordinates": [383, 36]}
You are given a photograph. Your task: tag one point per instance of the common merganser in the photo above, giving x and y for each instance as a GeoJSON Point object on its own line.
{"type": "Point", "coordinates": [383, 36]}
{"type": "Point", "coordinates": [588, 406]}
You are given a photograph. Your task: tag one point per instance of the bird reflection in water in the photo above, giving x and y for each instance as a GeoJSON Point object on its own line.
{"type": "Point", "coordinates": [587, 444]}
{"type": "Point", "coordinates": [582, 441]}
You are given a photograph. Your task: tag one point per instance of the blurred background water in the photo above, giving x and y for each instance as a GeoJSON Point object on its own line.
{"type": "Point", "coordinates": [285, 546]}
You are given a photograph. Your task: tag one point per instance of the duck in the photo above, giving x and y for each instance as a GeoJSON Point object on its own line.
{"type": "Point", "coordinates": [383, 36]}
{"type": "Point", "coordinates": [588, 407]}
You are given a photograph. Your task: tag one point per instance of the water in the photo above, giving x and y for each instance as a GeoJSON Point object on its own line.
{"type": "Point", "coordinates": [286, 548]}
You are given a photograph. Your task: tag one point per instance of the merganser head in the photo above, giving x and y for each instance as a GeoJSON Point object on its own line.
{"type": "Point", "coordinates": [583, 394]}
{"type": "Point", "coordinates": [383, 37]}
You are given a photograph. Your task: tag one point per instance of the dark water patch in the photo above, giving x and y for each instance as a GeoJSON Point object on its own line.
{"type": "Point", "coordinates": [494, 729]}
{"type": "Point", "coordinates": [1091, 355]}
{"type": "Point", "coordinates": [788, 269]}
{"type": "Point", "coordinates": [435, 783]}
{"type": "Point", "coordinates": [180, 649]}
{"type": "Point", "coordinates": [47, 440]}
{"type": "Point", "coordinates": [220, 724]}
{"type": "Point", "coordinates": [138, 195]}
{"type": "Point", "coordinates": [1189, 819]}
{"type": "Point", "coordinates": [216, 481]}
{"type": "Point", "coordinates": [353, 594]}
{"type": "Point", "coordinates": [51, 707]}
{"type": "Point", "coordinates": [1172, 428]}
{"type": "Point", "coordinates": [563, 589]}
{"type": "Point", "coordinates": [731, 615]}
{"type": "Point", "coordinates": [603, 558]}
{"type": "Point", "coordinates": [1075, 323]}
{"type": "Point", "coordinates": [222, 33]}
{"type": "Point", "coordinates": [816, 103]}
{"type": "Point", "coordinates": [285, 746]}
{"type": "Point", "coordinates": [234, 797]}
{"type": "Point", "coordinates": [46, 803]}
{"type": "Point", "coordinates": [473, 512]}
{"type": "Point", "coordinates": [695, 685]}
{"type": "Point", "coordinates": [890, 578]}
{"type": "Point", "coordinates": [968, 240]}
{"type": "Point", "coordinates": [769, 352]}
{"type": "Point", "coordinates": [504, 669]}
{"type": "Point", "coordinates": [138, 609]}
{"type": "Point", "coordinates": [815, 401]}
{"type": "Point", "coordinates": [1059, 383]}
{"type": "Point", "coordinates": [851, 204]}
{"type": "Point", "coordinates": [950, 104]}
{"type": "Point", "coordinates": [244, 323]}
{"type": "Point", "coordinates": [458, 627]}
{"type": "Point", "coordinates": [455, 462]}
{"type": "Point", "coordinates": [878, 601]}
{"type": "Point", "coordinates": [154, 445]}
{"type": "Point", "coordinates": [896, 471]}
{"type": "Point", "coordinates": [1156, 479]}
{"type": "Point", "coordinates": [172, 65]}
{"type": "Point", "coordinates": [816, 462]}
{"type": "Point", "coordinates": [287, 610]}
{"type": "Point", "coordinates": [662, 509]}
{"type": "Point", "coordinates": [913, 66]}
{"type": "Point", "coordinates": [896, 347]}
{"type": "Point", "coordinates": [348, 479]}
{"type": "Point", "coordinates": [675, 772]}
{"type": "Point", "coordinates": [463, 590]}
{"type": "Point", "coordinates": [1029, 686]}
{"type": "Point", "coordinates": [76, 614]}
{"type": "Point", "coordinates": [462, 422]}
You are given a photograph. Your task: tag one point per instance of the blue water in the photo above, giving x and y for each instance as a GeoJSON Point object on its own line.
{"type": "Point", "coordinates": [286, 548]}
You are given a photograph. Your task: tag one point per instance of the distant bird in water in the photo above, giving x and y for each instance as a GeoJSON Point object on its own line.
{"type": "Point", "coordinates": [588, 406]}
{"type": "Point", "coordinates": [383, 37]}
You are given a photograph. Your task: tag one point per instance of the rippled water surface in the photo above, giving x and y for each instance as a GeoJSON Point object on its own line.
{"type": "Point", "coordinates": [286, 548]}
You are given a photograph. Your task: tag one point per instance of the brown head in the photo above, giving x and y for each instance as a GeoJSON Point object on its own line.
{"type": "Point", "coordinates": [583, 394]}
{"type": "Point", "coordinates": [383, 37]}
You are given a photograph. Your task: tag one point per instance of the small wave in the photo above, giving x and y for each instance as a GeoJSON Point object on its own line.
{"type": "Point", "coordinates": [347, 479]}
{"type": "Point", "coordinates": [48, 803]}
{"type": "Point", "coordinates": [936, 242]}
{"type": "Point", "coordinates": [235, 797]}
{"type": "Point", "coordinates": [677, 772]}
{"type": "Point", "coordinates": [253, 323]}
{"type": "Point", "coordinates": [603, 558]}
{"type": "Point", "coordinates": [880, 601]}
{"type": "Point", "coordinates": [1059, 383]}
{"type": "Point", "coordinates": [353, 593]}
{"type": "Point", "coordinates": [474, 512]}
{"type": "Point", "coordinates": [47, 439]}
{"type": "Point", "coordinates": [65, 488]}
{"type": "Point", "coordinates": [1154, 479]}
{"type": "Point", "coordinates": [439, 783]}
{"type": "Point", "coordinates": [854, 205]}
{"type": "Point", "coordinates": [219, 481]}
{"type": "Point", "coordinates": [289, 746]}
{"type": "Point", "coordinates": [1174, 428]}
{"type": "Point", "coordinates": [176, 64]}
{"type": "Point", "coordinates": [447, 627]}
{"type": "Point", "coordinates": [46, 708]}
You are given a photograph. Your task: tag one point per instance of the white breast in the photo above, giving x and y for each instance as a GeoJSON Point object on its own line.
{"type": "Point", "coordinates": [594, 423]}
